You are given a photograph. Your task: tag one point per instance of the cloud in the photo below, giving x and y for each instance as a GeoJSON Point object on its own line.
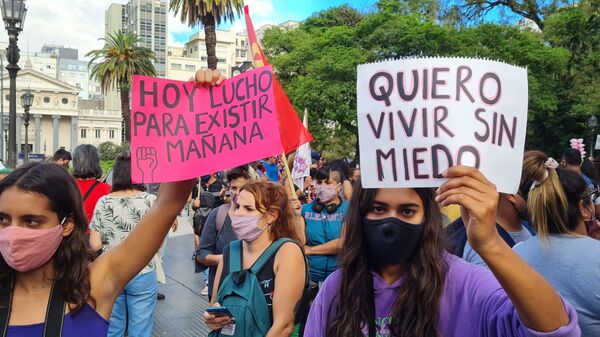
{"type": "Point", "coordinates": [77, 24]}
{"type": "Point", "coordinates": [80, 23]}
{"type": "Point", "coordinates": [177, 29]}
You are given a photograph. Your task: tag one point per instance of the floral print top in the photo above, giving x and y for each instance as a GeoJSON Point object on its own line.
{"type": "Point", "coordinates": [115, 217]}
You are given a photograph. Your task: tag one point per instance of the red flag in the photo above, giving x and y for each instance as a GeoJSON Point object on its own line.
{"type": "Point", "coordinates": [291, 130]}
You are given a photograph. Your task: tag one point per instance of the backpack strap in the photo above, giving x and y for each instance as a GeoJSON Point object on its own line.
{"type": "Point", "coordinates": [235, 256]}
{"type": "Point", "coordinates": [530, 228]}
{"type": "Point", "coordinates": [55, 313]}
{"type": "Point", "coordinates": [221, 217]}
{"type": "Point", "coordinates": [89, 191]}
{"type": "Point", "coordinates": [5, 304]}
{"type": "Point", "coordinates": [258, 266]}
{"type": "Point", "coordinates": [505, 236]}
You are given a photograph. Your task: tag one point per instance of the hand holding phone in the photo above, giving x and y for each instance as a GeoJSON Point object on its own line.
{"type": "Point", "coordinates": [219, 312]}
{"type": "Point", "coordinates": [218, 317]}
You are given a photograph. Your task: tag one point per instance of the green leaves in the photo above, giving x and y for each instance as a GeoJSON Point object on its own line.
{"type": "Point", "coordinates": [120, 59]}
{"type": "Point", "coordinates": [194, 11]}
{"type": "Point", "coordinates": [316, 64]}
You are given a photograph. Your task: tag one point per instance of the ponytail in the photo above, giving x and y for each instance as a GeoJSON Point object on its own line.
{"type": "Point", "coordinates": [546, 200]}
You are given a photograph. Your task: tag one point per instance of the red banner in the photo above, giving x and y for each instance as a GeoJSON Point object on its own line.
{"type": "Point", "coordinates": [292, 131]}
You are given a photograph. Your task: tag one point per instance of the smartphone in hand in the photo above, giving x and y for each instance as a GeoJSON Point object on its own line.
{"type": "Point", "coordinates": [219, 311]}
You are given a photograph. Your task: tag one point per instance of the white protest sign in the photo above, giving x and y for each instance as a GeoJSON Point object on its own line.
{"type": "Point", "coordinates": [417, 117]}
{"type": "Point", "coordinates": [597, 146]}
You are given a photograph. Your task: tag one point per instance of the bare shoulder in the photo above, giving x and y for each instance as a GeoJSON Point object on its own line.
{"type": "Point", "coordinates": [291, 253]}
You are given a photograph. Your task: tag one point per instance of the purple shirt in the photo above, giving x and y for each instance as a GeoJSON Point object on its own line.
{"type": "Point", "coordinates": [473, 304]}
{"type": "Point", "coordinates": [86, 323]}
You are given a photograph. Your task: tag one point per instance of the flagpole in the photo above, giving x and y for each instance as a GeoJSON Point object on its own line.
{"type": "Point", "coordinates": [259, 60]}
{"type": "Point", "coordinates": [288, 173]}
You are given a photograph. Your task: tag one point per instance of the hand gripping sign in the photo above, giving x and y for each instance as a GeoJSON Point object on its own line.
{"type": "Point", "coordinates": [417, 117]}
{"type": "Point", "coordinates": [181, 131]}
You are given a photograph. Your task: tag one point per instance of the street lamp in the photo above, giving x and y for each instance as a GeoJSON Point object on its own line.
{"type": "Point", "coordinates": [13, 15]}
{"type": "Point", "coordinates": [26, 102]}
{"type": "Point", "coordinates": [592, 122]}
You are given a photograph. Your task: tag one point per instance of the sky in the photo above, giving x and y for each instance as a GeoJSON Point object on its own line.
{"type": "Point", "coordinates": [80, 23]}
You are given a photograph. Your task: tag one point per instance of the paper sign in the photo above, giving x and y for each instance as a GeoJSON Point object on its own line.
{"type": "Point", "coordinates": [181, 131]}
{"type": "Point", "coordinates": [597, 145]}
{"type": "Point", "coordinates": [417, 117]}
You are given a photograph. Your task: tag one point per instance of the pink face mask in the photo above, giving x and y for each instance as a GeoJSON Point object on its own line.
{"type": "Point", "coordinates": [25, 249]}
{"type": "Point", "coordinates": [246, 227]}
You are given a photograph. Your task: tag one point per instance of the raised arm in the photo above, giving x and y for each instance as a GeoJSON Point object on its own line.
{"type": "Point", "coordinates": [539, 306]}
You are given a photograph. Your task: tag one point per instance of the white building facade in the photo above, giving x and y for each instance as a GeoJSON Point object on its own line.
{"type": "Point", "coordinates": [56, 120]}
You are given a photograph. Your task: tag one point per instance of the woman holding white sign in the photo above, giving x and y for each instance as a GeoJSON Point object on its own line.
{"type": "Point", "coordinates": [396, 276]}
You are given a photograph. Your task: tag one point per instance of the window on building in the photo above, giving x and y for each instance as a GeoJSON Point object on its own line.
{"type": "Point", "coordinates": [97, 133]}
{"type": "Point", "coordinates": [111, 134]}
{"type": "Point", "coordinates": [170, 53]}
{"type": "Point", "coordinates": [176, 66]}
{"type": "Point", "coordinates": [204, 58]}
{"type": "Point", "coordinates": [65, 101]}
{"type": "Point", "coordinates": [83, 133]}
{"type": "Point", "coordinates": [221, 60]}
{"type": "Point", "coordinates": [190, 67]}
{"type": "Point", "coordinates": [46, 99]}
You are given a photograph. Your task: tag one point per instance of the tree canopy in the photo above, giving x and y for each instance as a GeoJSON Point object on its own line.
{"type": "Point", "coordinates": [316, 63]}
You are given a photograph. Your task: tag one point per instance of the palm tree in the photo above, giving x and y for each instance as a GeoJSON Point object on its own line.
{"type": "Point", "coordinates": [120, 59]}
{"type": "Point", "coordinates": [209, 13]}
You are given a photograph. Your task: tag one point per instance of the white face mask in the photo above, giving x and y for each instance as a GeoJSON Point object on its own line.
{"type": "Point", "coordinates": [326, 193]}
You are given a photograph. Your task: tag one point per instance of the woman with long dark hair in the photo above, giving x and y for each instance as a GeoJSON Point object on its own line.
{"type": "Point", "coordinates": [395, 278]}
{"type": "Point", "coordinates": [48, 286]}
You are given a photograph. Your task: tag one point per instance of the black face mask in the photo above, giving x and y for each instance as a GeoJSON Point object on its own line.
{"type": "Point", "coordinates": [391, 241]}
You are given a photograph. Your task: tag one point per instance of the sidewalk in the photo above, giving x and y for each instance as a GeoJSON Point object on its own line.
{"type": "Point", "coordinates": [180, 314]}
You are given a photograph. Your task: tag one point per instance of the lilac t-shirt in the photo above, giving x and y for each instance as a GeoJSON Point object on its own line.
{"type": "Point", "coordinates": [86, 323]}
{"type": "Point", "coordinates": [473, 304]}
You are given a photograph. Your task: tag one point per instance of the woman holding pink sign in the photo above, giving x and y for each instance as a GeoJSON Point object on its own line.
{"type": "Point", "coordinates": [48, 285]}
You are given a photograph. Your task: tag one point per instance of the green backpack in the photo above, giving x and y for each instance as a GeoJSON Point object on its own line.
{"type": "Point", "coordinates": [242, 295]}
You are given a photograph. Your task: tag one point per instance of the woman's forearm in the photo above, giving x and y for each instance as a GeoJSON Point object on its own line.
{"type": "Point", "coordinates": [538, 304]}
{"type": "Point", "coordinates": [281, 330]}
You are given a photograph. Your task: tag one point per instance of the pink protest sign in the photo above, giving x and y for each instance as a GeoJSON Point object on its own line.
{"type": "Point", "coordinates": [181, 131]}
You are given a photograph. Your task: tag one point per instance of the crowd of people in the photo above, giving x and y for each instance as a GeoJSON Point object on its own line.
{"type": "Point", "coordinates": [81, 257]}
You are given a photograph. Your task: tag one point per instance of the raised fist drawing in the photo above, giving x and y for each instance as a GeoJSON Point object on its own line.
{"type": "Point", "coordinates": [147, 161]}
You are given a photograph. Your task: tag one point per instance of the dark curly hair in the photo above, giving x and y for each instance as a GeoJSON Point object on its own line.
{"type": "Point", "coordinates": [417, 308]}
{"type": "Point", "coordinates": [72, 259]}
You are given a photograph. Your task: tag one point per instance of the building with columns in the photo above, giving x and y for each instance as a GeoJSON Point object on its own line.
{"type": "Point", "coordinates": [57, 119]}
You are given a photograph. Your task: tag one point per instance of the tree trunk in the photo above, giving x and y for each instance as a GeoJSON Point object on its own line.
{"type": "Point", "coordinates": [126, 113]}
{"type": "Point", "coordinates": [210, 39]}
